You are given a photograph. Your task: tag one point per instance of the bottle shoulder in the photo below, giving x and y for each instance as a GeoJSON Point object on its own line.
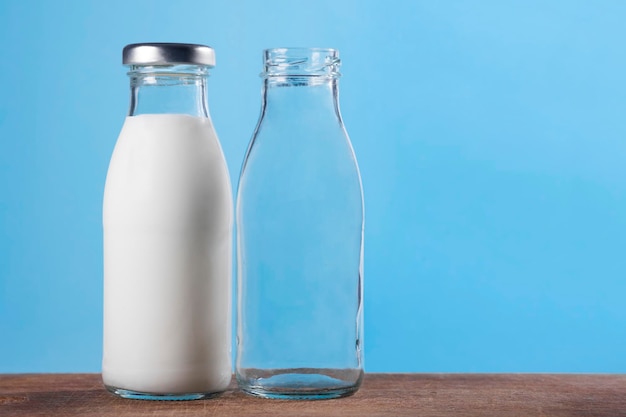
{"type": "Point", "coordinates": [169, 167]}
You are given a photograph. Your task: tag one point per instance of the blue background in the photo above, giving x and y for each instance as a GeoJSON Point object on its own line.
{"type": "Point", "coordinates": [491, 138]}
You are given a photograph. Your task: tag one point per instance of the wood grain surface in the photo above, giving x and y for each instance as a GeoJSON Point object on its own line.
{"type": "Point", "coordinates": [423, 395]}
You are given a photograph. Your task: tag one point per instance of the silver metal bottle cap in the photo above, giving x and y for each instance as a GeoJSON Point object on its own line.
{"type": "Point", "coordinates": [168, 54]}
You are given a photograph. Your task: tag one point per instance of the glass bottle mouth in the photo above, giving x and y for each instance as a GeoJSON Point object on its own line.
{"type": "Point", "coordinates": [172, 70]}
{"type": "Point", "coordinates": [175, 74]}
{"type": "Point", "coordinates": [301, 62]}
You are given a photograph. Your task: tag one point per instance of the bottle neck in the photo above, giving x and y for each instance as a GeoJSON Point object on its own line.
{"type": "Point", "coordinates": [171, 89]}
{"type": "Point", "coordinates": [300, 86]}
{"type": "Point", "coordinates": [301, 98]}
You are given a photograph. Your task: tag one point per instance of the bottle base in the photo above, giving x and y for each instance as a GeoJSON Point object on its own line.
{"type": "Point", "coordinates": [136, 395]}
{"type": "Point", "coordinates": [299, 384]}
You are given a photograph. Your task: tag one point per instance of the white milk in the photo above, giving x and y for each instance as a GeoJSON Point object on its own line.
{"type": "Point", "coordinates": [167, 258]}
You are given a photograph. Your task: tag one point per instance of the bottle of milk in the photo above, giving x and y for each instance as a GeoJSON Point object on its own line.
{"type": "Point", "coordinates": [167, 218]}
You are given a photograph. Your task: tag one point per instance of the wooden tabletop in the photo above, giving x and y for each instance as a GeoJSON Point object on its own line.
{"type": "Point", "coordinates": [424, 395]}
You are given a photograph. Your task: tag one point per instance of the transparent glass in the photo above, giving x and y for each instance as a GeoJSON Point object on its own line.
{"type": "Point", "coordinates": [167, 217]}
{"type": "Point", "coordinates": [168, 89]}
{"type": "Point", "coordinates": [300, 237]}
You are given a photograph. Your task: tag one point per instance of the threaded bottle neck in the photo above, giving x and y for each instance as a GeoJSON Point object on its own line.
{"type": "Point", "coordinates": [301, 62]}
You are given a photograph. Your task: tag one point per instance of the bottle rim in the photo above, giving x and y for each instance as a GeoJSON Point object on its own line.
{"type": "Point", "coordinates": [301, 62]}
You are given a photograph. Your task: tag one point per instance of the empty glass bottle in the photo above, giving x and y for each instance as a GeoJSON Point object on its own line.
{"type": "Point", "coordinates": [300, 237]}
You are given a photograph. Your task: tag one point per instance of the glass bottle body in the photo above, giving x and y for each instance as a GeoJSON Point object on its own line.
{"type": "Point", "coordinates": [167, 218]}
{"type": "Point", "coordinates": [300, 239]}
